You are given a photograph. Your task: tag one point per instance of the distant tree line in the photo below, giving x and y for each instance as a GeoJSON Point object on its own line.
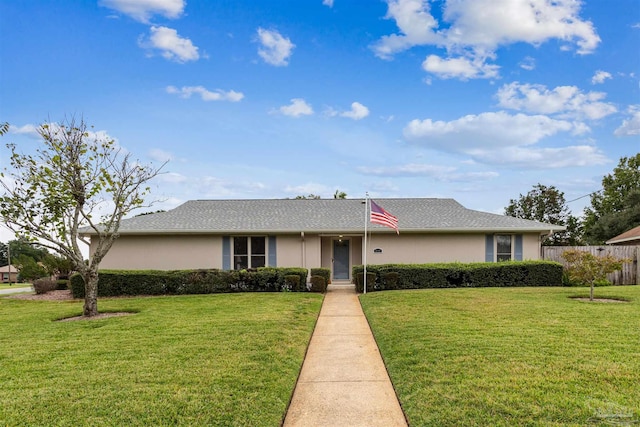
{"type": "Point", "coordinates": [613, 210]}
{"type": "Point", "coordinates": [33, 261]}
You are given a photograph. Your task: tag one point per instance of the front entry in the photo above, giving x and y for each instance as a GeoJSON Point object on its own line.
{"type": "Point", "coordinates": [341, 258]}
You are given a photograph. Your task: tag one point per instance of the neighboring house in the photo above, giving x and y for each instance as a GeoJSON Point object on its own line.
{"type": "Point", "coordinates": [629, 238]}
{"type": "Point", "coordinates": [9, 274]}
{"type": "Point", "coordinates": [240, 234]}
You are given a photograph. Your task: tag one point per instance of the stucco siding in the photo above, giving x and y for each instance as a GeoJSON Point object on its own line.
{"type": "Point", "coordinates": [531, 247]}
{"type": "Point", "coordinates": [425, 248]}
{"type": "Point", "coordinates": [164, 253]}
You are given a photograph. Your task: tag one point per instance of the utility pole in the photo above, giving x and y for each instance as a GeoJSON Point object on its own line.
{"type": "Point", "coordinates": [9, 260]}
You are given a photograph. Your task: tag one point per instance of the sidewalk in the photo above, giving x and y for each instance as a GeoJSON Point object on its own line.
{"type": "Point", "coordinates": [16, 290]}
{"type": "Point", "coordinates": [343, 381]}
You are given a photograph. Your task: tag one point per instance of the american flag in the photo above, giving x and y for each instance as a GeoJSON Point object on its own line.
{"type": "Point", "coordinates": [382, 217]}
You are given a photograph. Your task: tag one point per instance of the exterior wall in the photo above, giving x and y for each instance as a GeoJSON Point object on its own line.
{"type": "Point", "coordinates": [294, 252]}
{"type": "Point", "coordinates": [164, 252]}
{"type": "Point", "coordinates": [427, 248]}
{"type": "Point", "coordinates": [531, 247]}
{"type": "Point", "coordinates": [205, 251]}
{"type": "Point", "coordinates": [5, 277]}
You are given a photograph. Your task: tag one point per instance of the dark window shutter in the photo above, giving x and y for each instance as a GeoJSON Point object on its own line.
{"type": "Point", "coordinates": [488, 250]}
{"type": "Point", "coordinates": [273, 259]}
{"type": "Point", "coordinates": [518, 248]}
{"type": "Point", "coordinates": [226, 253]}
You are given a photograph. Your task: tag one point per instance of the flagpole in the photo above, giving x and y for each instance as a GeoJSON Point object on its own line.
{"type": "Point", "coordinates": [366, 222]}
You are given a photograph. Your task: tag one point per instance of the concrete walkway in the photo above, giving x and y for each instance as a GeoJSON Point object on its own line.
{"type": "Point", "coordinates": [16, 290]}
{"type": "Point", "coordinates": [343, 381]}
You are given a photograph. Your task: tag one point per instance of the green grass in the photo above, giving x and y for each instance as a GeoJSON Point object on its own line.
{"type": "Point", "coordinates": [14, 285]}
{"type": "Point", "coordinates": [510, 356]}
{"type": "Point", "coordinates": [229, 360]}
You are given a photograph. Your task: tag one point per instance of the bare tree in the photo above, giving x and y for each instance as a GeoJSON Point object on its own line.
{"type": "Point", "coordinates": [75, 180]}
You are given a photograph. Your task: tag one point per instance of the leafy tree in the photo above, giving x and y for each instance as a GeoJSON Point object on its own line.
{"type": "Point", "coordinates": [4, 254]}
{"type": "Point", "coordinates": [339, 195]}
{"type": "Point", "coordinates": [310, 196]}
{"type": "Point", "coordinates": [586, 268]}
{"type": "Point", "coordinates": [29, 268]}
{"type": "Point", "coordinates": [75, 179]}
{"type": "Point", "coordinates": [23, 246]}
{"type": "Point", "coordinates": [547, 204]}
{"type": "Point", "coordinates": [616, 208]}
{"type": "Point", "coordinates": [57, 266]}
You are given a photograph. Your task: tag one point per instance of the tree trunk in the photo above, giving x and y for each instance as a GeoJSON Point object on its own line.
{"type": "Point", "coordinates": [591, 292]}
{"type": "Point", "coordinates": [90, 294]}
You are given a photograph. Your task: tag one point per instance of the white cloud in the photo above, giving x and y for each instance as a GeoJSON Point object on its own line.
{"type": "Point", "coordinates": [492, 130]}
{"type": "Point", "coordinates": [438, 172]}
{"type": "Point", "coordinates": [472, 30]}
{"type": "Point", "coordinates": [171, 178]}
{"type": "Point", "coordinates": [142, 10]}
{"type": "Point", "coordinates": [327, 3]}
{"type": "Point", "coordinates": [275, 49]}
{"type": "Point", "coordinates": [30, 130]}
{"type": "Point", "coordinates": [544, 158]}
{"type": "Point", "coordinates": [502, 138]}
{"type": "Point", "coordinates": [492, 23]}
{"type": "Point", "coordinates": [566, 101]}
{"type": "Point", "coordinates": [160, 155]}
{"type": "Point", "coordinates": [630, 126]}
{"type": "Point", "coordinates": [416, 24]}
{"type": "Point", "coordinates": [309, 188]}
{"type": "Point", "coordinates": [600, 76]}
{"type": "Point", "coordinates": [411, 169]}
{"type": "Point", "coordinates": [528, 63]}
{"type": "Point", "coordinates": [357, 112]}
{"type": "Point", "coordinates": [297, 108]}
{"type": "Point", "coordinates": [462, 68]}
{"type": "Point", "coordinates": [205, 94]}
{"type": "Point", "coordinates": [170, 44]}
{"type": "Point", "coordinates": [214, 187]}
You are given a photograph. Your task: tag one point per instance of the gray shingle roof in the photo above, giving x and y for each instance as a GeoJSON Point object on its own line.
{"type": "Point", "coordinates": [322, 216]}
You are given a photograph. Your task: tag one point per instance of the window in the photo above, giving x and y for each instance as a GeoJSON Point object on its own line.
{"type": "Point", "coordinates": [249, 252]}
{"type": "Point", "coordinates": [503, 247]}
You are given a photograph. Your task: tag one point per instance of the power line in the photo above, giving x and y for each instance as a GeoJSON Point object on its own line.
{"type": "Point", "coordinates": [582, 197]}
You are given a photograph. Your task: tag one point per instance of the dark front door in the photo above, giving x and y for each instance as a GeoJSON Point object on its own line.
{"type": "Point", "coordinates": [341, 259]}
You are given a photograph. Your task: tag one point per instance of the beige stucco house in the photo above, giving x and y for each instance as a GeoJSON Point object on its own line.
{"type": "Point", "coordinates": [240, 234]}
{"type": "Point", "coordinates": [9, 274]}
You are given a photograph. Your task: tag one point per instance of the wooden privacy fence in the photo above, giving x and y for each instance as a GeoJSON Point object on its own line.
{"type": "Point", "coordinates": [630, 273]}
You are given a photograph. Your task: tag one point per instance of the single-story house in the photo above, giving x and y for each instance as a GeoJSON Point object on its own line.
{"type": "Point", "coordinates": [240, 234]}
{"type": "Point", "coordinates": [9, 273]}
{"type": "Point", "coordinates": [629, 238]}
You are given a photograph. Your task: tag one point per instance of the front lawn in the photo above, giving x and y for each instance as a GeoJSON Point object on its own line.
{"type": "Point", "coordinates": [511, 356]}
{"type": "Point", "coordinates": [229, 360]}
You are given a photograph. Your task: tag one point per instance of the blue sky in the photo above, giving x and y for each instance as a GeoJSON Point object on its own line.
{"type": "Point", "coordinates": [476, 100]}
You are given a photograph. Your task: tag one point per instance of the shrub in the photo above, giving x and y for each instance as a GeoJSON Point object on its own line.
{"type": "Point", "coordinates": [390, 280]}
{"type": "Point", "coordinates": [62, 284]}
{"type": "Point", "coordinates": [318, 284]}
{"type": "Point", "coordinates": [42, 286]}
{"type": "Point", "coordinates": [456, 275]}
{"type": "Point", "coordinates": [181, 282]}
{"type": "Point", "coordinates": [324, 272]}
{"type": "Point", "coordinates": [371, 282]}
{"type": "Point", "coordinates": [292, 283]}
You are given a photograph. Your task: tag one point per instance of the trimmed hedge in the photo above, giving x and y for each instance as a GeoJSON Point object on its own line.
{"type": "Point", "coordinates": [458, 275]}
{"type": "Point", "coordinates": [323, 272]}
{"type": "Point", "coordinates": [318, 284]}
{"type": "Point", "coordinates": [182, 282]}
